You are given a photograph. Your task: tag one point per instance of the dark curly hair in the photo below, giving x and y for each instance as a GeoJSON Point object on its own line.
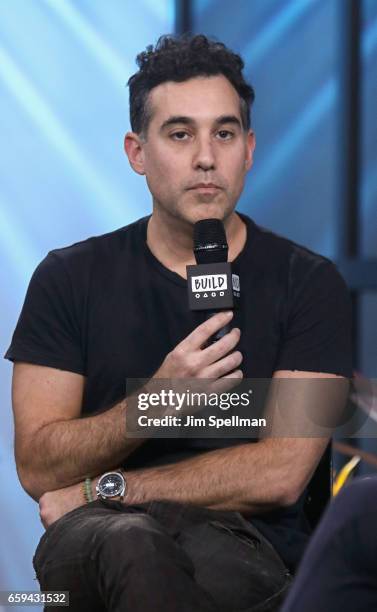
{"type": "Point", "coordinates": [179, 59]}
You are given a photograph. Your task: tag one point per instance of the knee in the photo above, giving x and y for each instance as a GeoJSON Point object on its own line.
{"type": "Point", "coordinates": [136, 536]}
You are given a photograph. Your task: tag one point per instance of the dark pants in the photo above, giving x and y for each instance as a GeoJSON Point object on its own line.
{"type": "Point", "coordinates": [339, 568]}
{"type": "Point", "coordinates": [162, 557]}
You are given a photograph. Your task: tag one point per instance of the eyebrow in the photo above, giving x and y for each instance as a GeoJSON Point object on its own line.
{"type": "Point", "coordinates": [182, 119]}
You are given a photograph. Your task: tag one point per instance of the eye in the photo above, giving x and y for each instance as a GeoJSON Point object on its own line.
{"type": "Point", "coordinates": [225, 134]}
{"type": "Point", "coordinates": [181, 135]}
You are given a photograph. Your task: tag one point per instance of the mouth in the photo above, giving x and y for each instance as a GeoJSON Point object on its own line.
{"type": "Point", "coordinates": [206, 188]}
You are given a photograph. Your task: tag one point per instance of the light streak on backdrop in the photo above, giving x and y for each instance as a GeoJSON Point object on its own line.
{"type": "Point", "coordinates": [63, 174]}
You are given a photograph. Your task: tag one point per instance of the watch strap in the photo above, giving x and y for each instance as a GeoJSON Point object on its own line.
{"type": "Point", "coordinates": [87, 490]}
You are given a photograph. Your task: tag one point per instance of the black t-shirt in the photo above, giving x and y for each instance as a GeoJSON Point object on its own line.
{"type": "Point", "coordinates": [108, 309]}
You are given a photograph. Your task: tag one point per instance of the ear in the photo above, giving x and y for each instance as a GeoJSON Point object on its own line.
{"type": "Point", "coordinates": [133, 146]}
{"type": "Point", "coordinates": [250, 146]}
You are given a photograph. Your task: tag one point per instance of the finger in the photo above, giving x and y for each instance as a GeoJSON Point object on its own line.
{"type": "Point", "coordinates": [227, 382]}
{"type": "Point", "coordinates": [219, 349]}
{"type": "Point", "coordinates": [237, 374]}
{"type": "Point", "coordinates": [223, 367]}
{"type": "Point", "coordinates": [204, 331]}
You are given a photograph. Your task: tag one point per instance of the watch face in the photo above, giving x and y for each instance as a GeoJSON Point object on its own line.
{"type": "Point", "coordinates": [111, 485]}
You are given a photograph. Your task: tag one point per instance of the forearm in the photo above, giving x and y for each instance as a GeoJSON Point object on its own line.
{"type": "Point", "coordinates": [65, 452]}
{"type": "Point", "coordinates": [249, 478]}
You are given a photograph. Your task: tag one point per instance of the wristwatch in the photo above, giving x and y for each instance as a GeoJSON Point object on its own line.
{"type": "Point", "coordinates": [111, 485]}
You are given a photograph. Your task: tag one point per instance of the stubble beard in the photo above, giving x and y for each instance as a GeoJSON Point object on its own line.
{"type": "Point", "coordinates": [203, 206]}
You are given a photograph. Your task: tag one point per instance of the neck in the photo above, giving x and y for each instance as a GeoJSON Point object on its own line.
{"type": "Point", "coordinates": [171, 240]}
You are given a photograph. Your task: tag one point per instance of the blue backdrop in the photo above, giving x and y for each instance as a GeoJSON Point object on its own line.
{"type": "Point", "coordinates": [63, 175]}
{"type": "Point", "coordinates": [64, 66]}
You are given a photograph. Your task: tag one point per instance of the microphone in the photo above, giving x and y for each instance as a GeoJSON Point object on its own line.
{"type": "Point", "coordinates": [210, 243]}
{"type": "Point", "coordinates": [211, 284]}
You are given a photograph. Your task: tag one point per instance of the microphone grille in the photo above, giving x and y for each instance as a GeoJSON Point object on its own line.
{"type": "Point", "coordinates": [210, 244]}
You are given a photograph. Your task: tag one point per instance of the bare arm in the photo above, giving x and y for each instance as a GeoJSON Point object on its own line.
{"type": "Point", "coordinates": [55, 448]}
{"type": "Point", "coordinates": [253, 478]}
{"type": "Point", "coordinates": [250, 478]}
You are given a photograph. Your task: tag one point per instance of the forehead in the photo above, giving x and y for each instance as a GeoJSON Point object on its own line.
{"type": "Point", "coordinates": [201, 98]}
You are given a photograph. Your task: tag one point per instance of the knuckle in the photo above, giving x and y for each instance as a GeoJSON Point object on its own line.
{"type": "Point", "coordinates": [203, 338]}
{"type": "Point", "coordinates": [209, 327]}
{"type": "Point", "coordinates": [186, 363]}
{"type": "Point", "coordinates": [43, 500]}
{"type": "Point", "coordinates": [202, 333]}
{"type": "Point", "coordinates": [177, 352]}
{"type": "Point", "coordinates": [192, 365]}
{"type": "Point", "coordinates": [229, 344]}
{"type": "Point", "coordinates": [177, 356]}
{"type": "Point", "coordinates": [182, 361]}
{"type": "Point", "coordinates": [43, 514]}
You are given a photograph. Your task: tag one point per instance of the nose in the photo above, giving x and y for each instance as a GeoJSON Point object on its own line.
{"type": "Point", "coordinates": [204, 158]}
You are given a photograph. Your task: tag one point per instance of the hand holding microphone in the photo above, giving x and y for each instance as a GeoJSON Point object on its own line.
{"type": "Point", "coordinates": [217, 360]}
{"type": "Point", "coordinates": [209, 351]}
{"type": "Point", "coordinates": [213, 369]}
{"type": "Point", "coordinates": [207, 357]}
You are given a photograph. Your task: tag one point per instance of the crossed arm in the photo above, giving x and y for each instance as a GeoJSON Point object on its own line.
{"type": "Point", "coordinates": [56, 449]}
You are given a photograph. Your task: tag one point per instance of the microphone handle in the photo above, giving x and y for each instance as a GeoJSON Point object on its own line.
{"type": "Point", "coordinates": [221, 332]}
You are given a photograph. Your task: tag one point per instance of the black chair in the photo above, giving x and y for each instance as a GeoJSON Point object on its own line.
{"type": "Point", "coordinates": [319, 489]}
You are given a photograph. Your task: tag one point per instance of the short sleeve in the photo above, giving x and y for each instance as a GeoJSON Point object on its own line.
{"type": "Point", "coordinates": [317, 335]}
{"type": "Point", "coordinates": [48, 329]}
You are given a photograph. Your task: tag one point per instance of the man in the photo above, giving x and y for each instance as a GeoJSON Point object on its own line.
{"type": "Point", "coordinates": [190, 531]}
